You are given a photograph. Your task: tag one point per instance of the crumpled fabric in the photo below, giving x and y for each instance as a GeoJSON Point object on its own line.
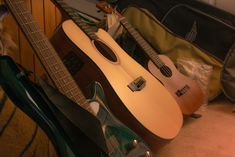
{"type": "Point", "coordinates": [228, 75]}
{"type": "Point", "coordinates": [200, 72]}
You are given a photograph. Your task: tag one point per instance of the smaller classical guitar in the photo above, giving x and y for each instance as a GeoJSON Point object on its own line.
{"type": "Point", "coordinates": [186, 91]}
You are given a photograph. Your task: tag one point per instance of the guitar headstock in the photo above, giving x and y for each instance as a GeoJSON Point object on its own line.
{"type": "Point", "coordinates": [106, 7]}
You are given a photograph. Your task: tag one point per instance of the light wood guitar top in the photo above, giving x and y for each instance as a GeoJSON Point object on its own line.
{"type": "Point", "coordinates": [153, 106]}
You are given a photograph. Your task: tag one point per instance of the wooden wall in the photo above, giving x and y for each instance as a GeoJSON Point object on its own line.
{"type": "Point", "coordinates": [20, 129]}
{"type": "Point", "coordinates": [227, 5]}
{"type": "Point", "coordinates": [48, 17]}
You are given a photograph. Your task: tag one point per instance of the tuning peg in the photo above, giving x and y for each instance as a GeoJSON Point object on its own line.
{"type": "Point", "coordinates": [133, 144]}
{"type": "Point", "coordinates": [148, 154]}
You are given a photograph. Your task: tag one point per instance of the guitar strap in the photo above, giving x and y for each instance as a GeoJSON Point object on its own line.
{"type": "Point", "coordinates": [77, 117]}
{"type": "Point", "coordinates": [3, 11]}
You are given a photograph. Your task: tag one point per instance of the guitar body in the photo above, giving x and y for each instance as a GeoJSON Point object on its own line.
{"type": "Point", "coordinates": [152, 106]}
{"type": "Point", "coordinates": [117, 135]}
{"type": "Point", "coordinates": [24, 95]}
{"type": "Point", "coordinates": [186, 91]}
{"type": "Point", "coordinates": [84, 124]}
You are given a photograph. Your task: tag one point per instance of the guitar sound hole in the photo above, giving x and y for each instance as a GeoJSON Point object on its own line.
{"type": "Point", "coordinates": [166, 71]}
{"type": "Point", "coordinates": [105, 51]}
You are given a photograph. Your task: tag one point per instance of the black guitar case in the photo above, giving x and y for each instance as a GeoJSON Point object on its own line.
{"type": "Point", "coordinates": [207, 27]}
{"type": "Point", "coordinates": [72, 136]}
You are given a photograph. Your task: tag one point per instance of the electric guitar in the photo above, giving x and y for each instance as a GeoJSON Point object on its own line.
{"type": "Point", "coordinates": [144, 98]}
{"type": "Point", "coordinates": [186, 91]}
{"type": "Point", "coordinates": [69, 138]}
{"type": "Point", "coordinates": [120, 140]}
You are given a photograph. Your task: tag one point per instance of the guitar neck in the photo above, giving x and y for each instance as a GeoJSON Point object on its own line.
{"type": "Point", "coordinates": [73, 14]}
{"type": "Point", "coordinates": [46, 53]}
{"type": "Point", "coordinates": [142, 43]}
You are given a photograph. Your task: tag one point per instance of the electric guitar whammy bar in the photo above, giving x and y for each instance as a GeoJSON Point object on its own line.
{"type": "Point", "coordinates": [120, 140]}
{"type": "Point", "coordinates": [144, 98]}
{"type": "Point", "coordinates": [186, 91]}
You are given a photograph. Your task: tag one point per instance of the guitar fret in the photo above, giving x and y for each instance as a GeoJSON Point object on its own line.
{"type": "Point", "coordinates": [25, 15]}
{"type": "Point", "coordinates": [36, 36]}
{"type": "Point", "coordinates": [134, 33]}
{"type": "Point", "coordinates": [50, 60]}
{"type": "Point", "coordinates": [60, 85]}
{"type": "Point", "coordinates": [41, 43]}
{"type": "Point", "coordinates": [57, 70]}
{"type": "Point", "coordinates": [146, 48]}
{"type": "Point", "coordinates": [46, 53]}
{"type": "Point", "coordinates": [74, 15]}
{"type": "Point", "coordinates": [65, 80]}
{"type": "Point", "coordinates": [68, 87]}
{"type": "Point", "coordinates": [19, 9]}
{"type": "Point", "coordinates": [142, 43]}
{"type": "Point", "coordinates": [35, 32]}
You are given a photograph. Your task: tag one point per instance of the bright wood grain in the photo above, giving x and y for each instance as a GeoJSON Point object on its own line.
{"type": "Point", "coordinates": [26, 52]}
{"type": "Point", "coordinates": [48, 18]}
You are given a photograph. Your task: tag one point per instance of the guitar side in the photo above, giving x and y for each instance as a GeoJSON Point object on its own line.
{"type": "Point", "coordinates": [152, 106]}
{"type": "Point", "coordinates": [117, 135]}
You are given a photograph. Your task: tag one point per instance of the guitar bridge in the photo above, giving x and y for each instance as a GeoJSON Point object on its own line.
{"type": "Point", "coordinates": [137, 84]}
{"type": "Point", "coordinates": [182, 91]}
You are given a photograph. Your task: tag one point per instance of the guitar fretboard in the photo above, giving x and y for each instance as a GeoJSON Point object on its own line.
{"type": "Point", "coordinates": [46, 53]}
{"type": "Point", "coordinates": [73, 13]}
{"type": "Point", "coordinates": [142, 43]}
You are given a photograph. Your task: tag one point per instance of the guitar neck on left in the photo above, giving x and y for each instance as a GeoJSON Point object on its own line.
{"type": "Point", "coordinates": [45, 52]}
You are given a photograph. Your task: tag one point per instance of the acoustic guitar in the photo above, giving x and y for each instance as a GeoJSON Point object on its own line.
{"type": "Point", "coordinates": [186, 91]}
{"type": "Point", "coordinates": [120, 140]}
{"type": "Point", "coordinates": [144, 97]}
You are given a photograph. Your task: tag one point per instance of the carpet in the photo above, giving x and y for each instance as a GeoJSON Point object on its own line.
{"type": "Point", "coordinates": [212, 135]}
{"type": "Point", "coordinates": [20, 136]}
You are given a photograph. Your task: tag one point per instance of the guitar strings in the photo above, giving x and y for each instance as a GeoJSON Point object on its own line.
{"type": "Point", "coordinates": [147, 48]}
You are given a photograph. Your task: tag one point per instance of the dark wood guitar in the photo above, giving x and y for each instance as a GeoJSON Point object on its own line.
{"type": "Point", "coordinates": [143, 97]}
{"type": "Point", "coordinates": [186, 91]}
{"type": "Point", "coordinates": [120, 140]}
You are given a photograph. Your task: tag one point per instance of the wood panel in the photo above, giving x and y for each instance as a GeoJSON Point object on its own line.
{"type": "Point", "coordinates": [48, 17]}
{"type": "Point", "coordinates": [21, 127]}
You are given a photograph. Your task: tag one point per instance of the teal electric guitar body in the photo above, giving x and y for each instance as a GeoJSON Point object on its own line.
{"type": "Point", "coordinates": [24, 95]}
